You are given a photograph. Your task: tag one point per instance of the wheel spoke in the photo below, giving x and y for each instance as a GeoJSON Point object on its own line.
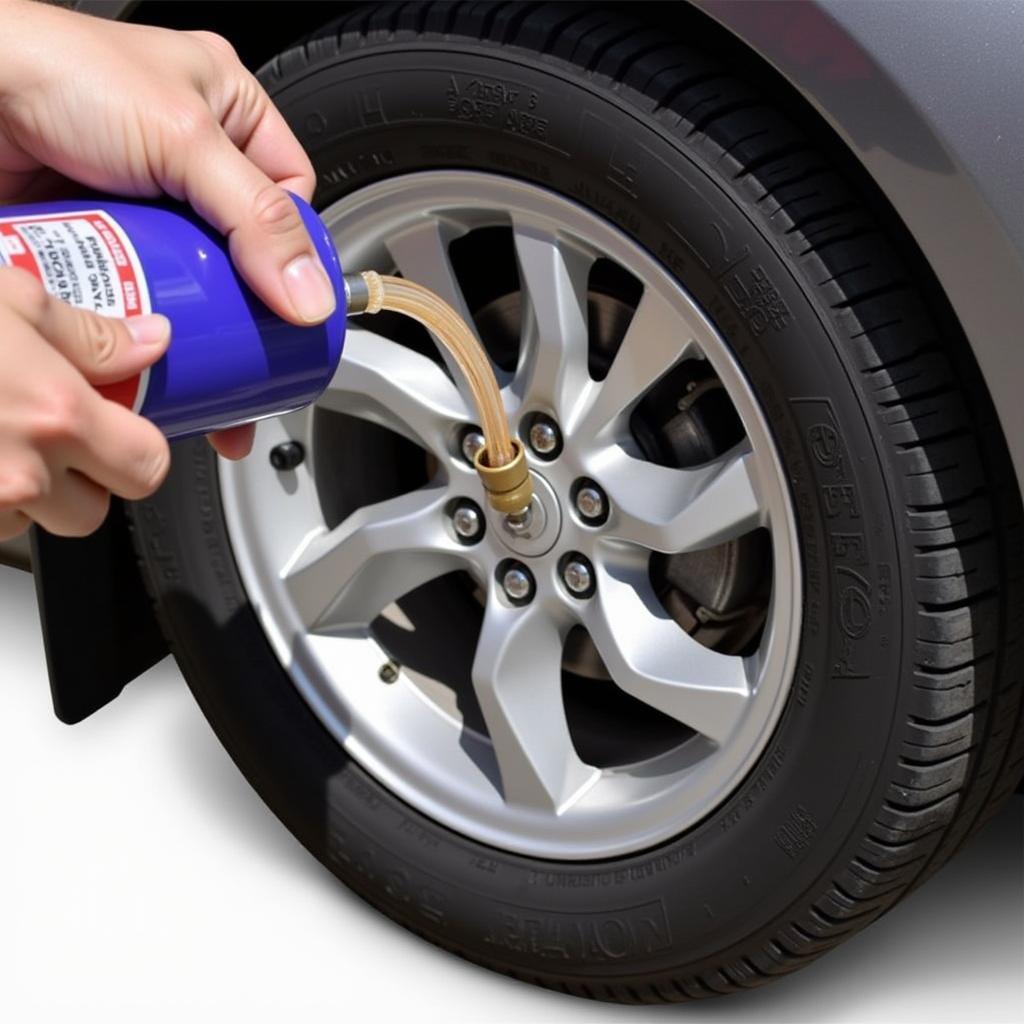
{"type": "Point", "coordinates": [552, 371]}
{"type": "Point", "coordinates": [341, 579]}
{"type": "Point", "coordinates": [673, 510]}
{"type": "Point", "coordinates": [518, 681]}
{"type": "Point", "coordinates": [655, 341]}
{"type": "Point", "coordinates": [387, 383]}
{"type": "Point", "coordinates": [653, 659]}
{"type": "Point", "coordinates": [421, 254]}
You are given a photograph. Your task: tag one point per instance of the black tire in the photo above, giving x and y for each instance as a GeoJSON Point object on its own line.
{"type": "Point", "coordinates": [902, 733]}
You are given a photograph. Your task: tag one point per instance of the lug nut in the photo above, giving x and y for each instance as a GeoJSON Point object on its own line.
{"type": "Point", "coordinates": [287, 455]}
{"type": "Point", "coordinates": [591, 502]}
{"type": "Point", "coordinates": [472, 442]}
{"type": "Point", "coordinates": [467, 521]}
{"type": "Point", "coordinates": [544, 437]}
{"type": "Point", "coordinates": [388, 672]}
{"type": "Point", "coordinates": [518, 583]}
{"type": "Point", "coordinates": [578, 575]}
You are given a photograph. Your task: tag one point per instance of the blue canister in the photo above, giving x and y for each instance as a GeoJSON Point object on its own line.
{"type": "Point", "coordinates": [231, 359]}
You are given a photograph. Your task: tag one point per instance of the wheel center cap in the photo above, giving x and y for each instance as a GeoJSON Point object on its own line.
{"type": "Point", "coordinates": [539, 536]}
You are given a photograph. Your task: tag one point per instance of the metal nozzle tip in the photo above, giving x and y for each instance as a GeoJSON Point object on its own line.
{"type": "Point", "coordinates": [357, 294]}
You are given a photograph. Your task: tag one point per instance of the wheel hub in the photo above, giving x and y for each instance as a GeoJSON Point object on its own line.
{"type": "Point", "coordinates": [540, 532]}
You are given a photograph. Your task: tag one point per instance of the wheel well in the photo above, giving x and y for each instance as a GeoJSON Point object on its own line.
{"type": "Point", "coordinates": [258, 40]}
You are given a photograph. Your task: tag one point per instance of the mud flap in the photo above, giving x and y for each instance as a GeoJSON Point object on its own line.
{"type": "Point", "coordinates": [98, 623]}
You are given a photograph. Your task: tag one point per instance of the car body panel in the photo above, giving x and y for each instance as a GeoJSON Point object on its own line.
{"type": "Point", "coordinates": [929, 99]}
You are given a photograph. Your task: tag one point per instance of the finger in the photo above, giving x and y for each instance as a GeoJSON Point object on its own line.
{"type": "Point", "coordinates": [268, 242]}
{"type": "Point", "coordinates": [13, 523]}
{"type": "Point", "coordinates": [104, 350]}
{"type": "Point", "coordinates": [273, 148]}
{"type": "Point", "coordinates": [40, 184]}
{"type": "Point", "coordinates": [256, 127]}
{"type": "Point", "coordinates": [24, 478]}
{"type": "Point", "coordinates": [235, 442]}
{"type": "Point", "coordinates": [73, 507]}
{"type": "Point", "coordinates": [119, 450]}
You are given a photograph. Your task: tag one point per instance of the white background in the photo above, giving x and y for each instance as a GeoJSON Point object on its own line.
{"type": "Point", "coordinates": [142, 880]}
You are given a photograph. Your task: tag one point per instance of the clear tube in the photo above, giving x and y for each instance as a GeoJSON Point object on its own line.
{"type": "Point", "coordinates": [401, 296]}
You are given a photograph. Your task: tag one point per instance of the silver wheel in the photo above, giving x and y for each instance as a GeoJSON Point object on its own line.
{"type": "Point", "coordinates": [483, 731]}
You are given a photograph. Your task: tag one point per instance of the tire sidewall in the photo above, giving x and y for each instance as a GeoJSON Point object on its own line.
{"type": "Point", "coordinates": [401, 108]}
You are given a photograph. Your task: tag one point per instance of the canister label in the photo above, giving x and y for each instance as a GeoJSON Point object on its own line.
{"type": "Point", "coordinates": [86, 259]}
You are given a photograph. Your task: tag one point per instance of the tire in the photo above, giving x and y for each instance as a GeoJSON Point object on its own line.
{"type": "Point", "coordinates": [902, 731]}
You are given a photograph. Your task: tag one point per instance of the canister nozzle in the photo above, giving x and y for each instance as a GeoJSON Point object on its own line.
{"type": "Point", "coordinates": [363, 294]}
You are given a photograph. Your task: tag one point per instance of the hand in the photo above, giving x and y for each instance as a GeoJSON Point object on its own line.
{"type": "Point", "coordinates": [142, 111]}
{"type": "Point", "coordinates": [64, 448]}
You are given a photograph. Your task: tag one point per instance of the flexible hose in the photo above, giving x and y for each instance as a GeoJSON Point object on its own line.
{"type": "Point", "coordinates": [501, 463]}
{"type": "Point", "coordinates": [423, 306]}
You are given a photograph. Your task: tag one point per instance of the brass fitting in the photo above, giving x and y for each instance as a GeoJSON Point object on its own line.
{"type": "Point", "coordinates": [509, 487]}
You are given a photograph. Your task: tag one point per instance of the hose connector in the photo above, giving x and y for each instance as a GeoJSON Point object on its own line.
{"type": "Point", "coordinates": [509, 488]}
{"type": "Point", "coordinates": [364, 293]}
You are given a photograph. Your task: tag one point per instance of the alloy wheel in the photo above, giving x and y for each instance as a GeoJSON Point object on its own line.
{"type": "Point", "coordinates": [519, 716]}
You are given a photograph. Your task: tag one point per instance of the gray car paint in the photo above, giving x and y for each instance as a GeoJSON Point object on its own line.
{"type": "Point", "coordinates": [930, 98]}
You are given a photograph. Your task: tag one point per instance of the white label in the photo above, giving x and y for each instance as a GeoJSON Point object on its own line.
{"type": "Point", "coordinates": [86, 259]}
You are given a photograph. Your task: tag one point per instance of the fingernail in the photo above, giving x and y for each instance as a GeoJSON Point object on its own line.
{"type": "Point", "coordinates": [309, 289]}
{"type": "Point", "coordinates": [150, 329]}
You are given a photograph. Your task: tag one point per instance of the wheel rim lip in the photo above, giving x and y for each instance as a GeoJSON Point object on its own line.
{"type": "Point", "coordinates": [584, 832]}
